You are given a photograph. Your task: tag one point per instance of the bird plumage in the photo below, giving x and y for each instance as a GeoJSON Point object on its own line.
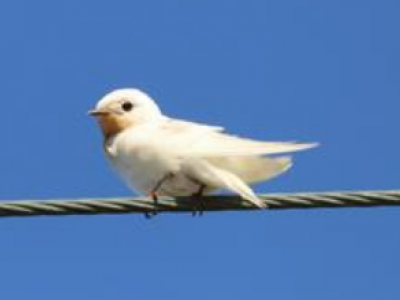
{"type": "Point", "coordinates": [144, 146]}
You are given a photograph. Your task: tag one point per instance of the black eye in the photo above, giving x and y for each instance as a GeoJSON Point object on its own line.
{"type": "Point", "coordinates": [127, 106]}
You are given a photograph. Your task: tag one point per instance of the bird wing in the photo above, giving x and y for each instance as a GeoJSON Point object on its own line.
{"type": "Point", "coordinates": [198, 140]}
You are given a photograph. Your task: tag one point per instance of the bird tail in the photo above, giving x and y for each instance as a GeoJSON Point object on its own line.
{"type": "Point", "coordinates": [215, 177]}
{"type": "Point", "coordinates": [232, 182]}
{"type": "Point", "coordinates": [252, 169]}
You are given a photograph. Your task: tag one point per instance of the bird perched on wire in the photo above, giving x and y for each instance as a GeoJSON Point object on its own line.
{"type": "Point", "coordinates": [162, 156]}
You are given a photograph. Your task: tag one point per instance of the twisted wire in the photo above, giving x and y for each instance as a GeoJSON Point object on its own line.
{"type": "Point", "coordinates": [188, 204]}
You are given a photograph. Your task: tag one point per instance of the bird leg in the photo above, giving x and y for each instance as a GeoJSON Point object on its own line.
{"type": "Point", "coordinates": [153, 195]}
{"type": "Point", "coordinates": [199, 201]}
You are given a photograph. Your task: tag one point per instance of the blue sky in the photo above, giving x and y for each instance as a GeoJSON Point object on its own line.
{"type": "Point", "coordinates": [326, 71]}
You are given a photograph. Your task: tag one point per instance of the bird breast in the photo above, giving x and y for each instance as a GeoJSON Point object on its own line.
{"type": "Point", "coordinates": [140, 164]}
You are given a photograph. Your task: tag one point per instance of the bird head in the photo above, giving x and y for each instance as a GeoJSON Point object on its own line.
{"type": "Point", "coordinates": [124, 108]}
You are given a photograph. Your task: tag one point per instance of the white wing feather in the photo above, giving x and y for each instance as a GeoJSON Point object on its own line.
{"type": "Point", "coordinates": [198, 140]}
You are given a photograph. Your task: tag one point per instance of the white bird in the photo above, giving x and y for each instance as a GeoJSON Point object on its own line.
{"type": "Point", "coordinates": [161, 156]}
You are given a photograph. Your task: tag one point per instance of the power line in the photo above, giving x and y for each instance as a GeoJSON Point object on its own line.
{"type": "Point", "coordinates": [188, 204]}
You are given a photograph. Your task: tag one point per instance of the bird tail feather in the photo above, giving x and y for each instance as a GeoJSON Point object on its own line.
{"type": "Point", "coordinates": [216, 178]}
{"type": "Point", "coordinates": [252, 169]}
{"type": "Point", "coordinates": [235, 184]}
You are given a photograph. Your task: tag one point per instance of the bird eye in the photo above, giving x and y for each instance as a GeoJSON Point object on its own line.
{"type": "Point", "coordinates": [127, 106]}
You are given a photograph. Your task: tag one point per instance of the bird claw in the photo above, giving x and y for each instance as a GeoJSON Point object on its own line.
{"type": "Point", "coordinates": [152, 213]}
{"type": "Point", "coordinates": [197, 213]}
{"type": "Point", "coordinates": [199, 208]}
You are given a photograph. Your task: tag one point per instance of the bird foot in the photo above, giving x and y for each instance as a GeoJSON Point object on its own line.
{"type": "Point", "coordinates": [198, 209]}
{"type": "Point", "coordinates": [150, 214]}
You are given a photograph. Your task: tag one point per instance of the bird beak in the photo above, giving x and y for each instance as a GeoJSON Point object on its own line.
{"type": "Point", "coordinates": [97, 113]}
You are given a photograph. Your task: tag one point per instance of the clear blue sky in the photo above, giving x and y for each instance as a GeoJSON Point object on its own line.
{"type": "Point", "coordinates": [326, 71]}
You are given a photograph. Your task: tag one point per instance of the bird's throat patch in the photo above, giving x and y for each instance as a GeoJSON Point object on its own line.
{"type": "Point", "coordinates": [113, 125]}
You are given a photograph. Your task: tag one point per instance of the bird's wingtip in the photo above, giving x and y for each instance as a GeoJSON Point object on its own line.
{"type": "Point", "coordinates": [308, 145]}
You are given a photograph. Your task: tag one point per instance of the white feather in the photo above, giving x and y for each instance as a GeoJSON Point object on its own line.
{"type": "Point", "coordinates": [218, 178]}
{"type": "Point", "coordinates": [198, 140]}
{"type": "Point", "coordinates": [153, 146]}
{"type": "Point", "coordinates": [252, 169]}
